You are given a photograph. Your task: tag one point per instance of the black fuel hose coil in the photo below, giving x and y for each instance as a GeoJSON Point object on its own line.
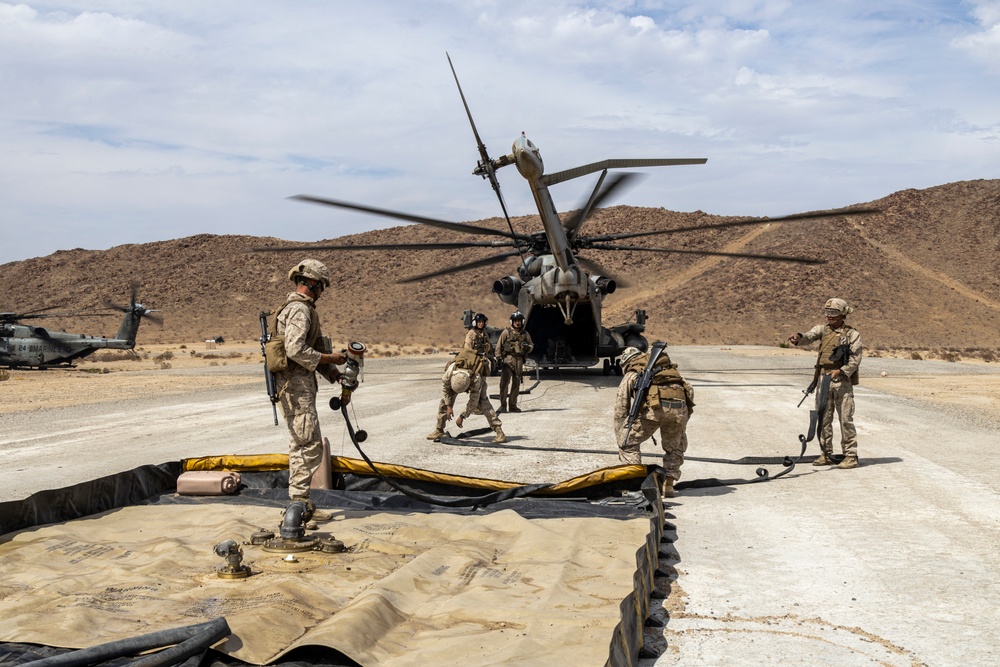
{"type": "Point", "coordinates": [184, 642]}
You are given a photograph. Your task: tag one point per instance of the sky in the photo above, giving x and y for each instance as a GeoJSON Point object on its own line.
{"type": "Point", "coordinates": [130, 121]}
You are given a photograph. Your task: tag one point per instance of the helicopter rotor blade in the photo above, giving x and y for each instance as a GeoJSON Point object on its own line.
{"type": "Point", "coordinates": [155, 319]}
{"type": "Point", "coordinates": [595, 269]}
{"type": "Point", "coordinates": [493, 259]}
{"type": "Point", "coordinates": [576, 172]}
{"type": "Point", "coordinates": [615, 183]}
{"type": "Point", "coordinates": [714, 253]}
{"type": "Point", "coordinates": [389, 246]}
{"type": "Point", "coordinates": [453, 226]}
{"type": "Point", "coordinates": [486, 164]}
{"type": "Point", "coordinates": [811, 215]}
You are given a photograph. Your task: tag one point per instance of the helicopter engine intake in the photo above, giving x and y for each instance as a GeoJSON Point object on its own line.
{"type": "Point", "coordinates": [604, 284]}
{"type": "Point", "coordinates": [508, 288]}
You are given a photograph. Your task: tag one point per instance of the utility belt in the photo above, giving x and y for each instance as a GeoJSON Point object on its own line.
{"type": "Point", "coordinates": [666, 395]}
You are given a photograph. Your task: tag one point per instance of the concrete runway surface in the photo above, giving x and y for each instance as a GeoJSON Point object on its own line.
{"type": "Point", "coordinates": [894, 563]}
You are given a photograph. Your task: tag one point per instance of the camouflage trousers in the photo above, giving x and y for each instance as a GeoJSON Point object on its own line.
{"type": "Point", "coordinates": [305, 451]}
{"type": "Point", "coordinates": [672, 424]}
{"type": "Point", "coordinates": [841, 401]}
{"type": "Point", "coordinates": [510, 376]}
{"type": "Point", "coordinates": [484, 407]}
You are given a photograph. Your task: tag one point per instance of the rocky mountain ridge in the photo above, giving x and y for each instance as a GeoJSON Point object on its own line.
{"type": "Point", "coordinates": [921, 273]}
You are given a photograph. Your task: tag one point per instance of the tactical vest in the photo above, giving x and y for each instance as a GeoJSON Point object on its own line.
{"type": "Point", "coordinates": [831, 339]}
{"type": "Point", "coordinates": [516, 343]}
{"type": "Point", "coordinates": [481, 342]}
{"type": "Point", "coordinates": [470, 361]}
{"type": "Point", "coordinates": [312, 337]}
{"type": "Point", "coordinates": [668, 384]}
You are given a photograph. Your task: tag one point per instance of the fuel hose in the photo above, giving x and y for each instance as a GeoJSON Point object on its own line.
{"type": "Point", "coordinates": [443, 501]}
{"type": "Point", "coordinates": [184, 642]}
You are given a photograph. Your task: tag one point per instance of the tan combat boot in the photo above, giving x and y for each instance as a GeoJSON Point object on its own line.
{"type": "Point", "coordinates": [500, 437]}
{"type": "Point", "coordinates": [436, 435]}
{"type": "Point", "coordinates": [823, 460]}
{"type": "Point", "coordinates": [667, 488]}
{"type": "Point", "coordinates": [850, 461]}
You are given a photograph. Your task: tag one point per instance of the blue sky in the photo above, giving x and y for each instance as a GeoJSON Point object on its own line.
{"type": "Point", "coordinates": [134, 121]}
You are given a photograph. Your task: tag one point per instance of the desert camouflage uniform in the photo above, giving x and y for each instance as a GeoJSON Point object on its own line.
{"type": "Point", "coordinates": [298, 322]}
{"type": "Point", "coordinates": [841, 387]}
{"type": "Point", "coordinates": [670, 416]}
{"type": "Point", "coordinates": [479, 402]}
{"type": "Point", "coordinates": [479, 341]}
{"type": "Point", "coordinates": [513, 346]}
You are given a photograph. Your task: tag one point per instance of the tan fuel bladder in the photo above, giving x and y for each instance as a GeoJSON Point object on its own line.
{"type": "Point", "coordinates": [412, 588]}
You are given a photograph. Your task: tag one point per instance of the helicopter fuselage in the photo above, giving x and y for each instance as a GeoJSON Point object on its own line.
{"type": "Point", "coordinates": [25, 346]}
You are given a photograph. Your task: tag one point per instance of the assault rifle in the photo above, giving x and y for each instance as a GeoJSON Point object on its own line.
{"type": "Point", "coordinates": [840, 355]}
{"type": "Point", "coordinates": [272, 389]}
{"type": "Point", "coordinates": [810, 389]}
{"type": "Point", "coordinates": [643, 384]}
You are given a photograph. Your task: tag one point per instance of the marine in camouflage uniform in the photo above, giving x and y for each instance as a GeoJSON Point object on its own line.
{"type": "Point", "coordinates": [298, 321]}
{"type": "Point", "coordinates": [477, 339]}
{"type": "Point", "coordinates": [843, 376]}
{"type": "Point", "coordinates": [465, 374]}
{"type": "Point", "coordinates": [667, 408]}
{"type": "Point", "coordinates": [513, 347]}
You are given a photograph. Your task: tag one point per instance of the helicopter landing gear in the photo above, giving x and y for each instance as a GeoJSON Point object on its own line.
{"type": "Point", "coordinates": [607, 367]}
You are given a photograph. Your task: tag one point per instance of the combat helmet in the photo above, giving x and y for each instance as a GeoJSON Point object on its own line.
{"type": "Point", "coordinates": [838, 306]}
{"type": "Point", "coordinates": [311, 268]}
{"type": "Point", "coordinates": [516, 315]}
{"type": "Point", "coordinates": [629, 354]}
{"type": "Point", "coordinates": [481, 317]}
{"type": "Point", "coordinates": [460, 380]}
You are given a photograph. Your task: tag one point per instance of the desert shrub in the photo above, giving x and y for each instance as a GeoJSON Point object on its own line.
{"type": "Point", "coordinates": [164, 356]}
{"type": "Point", "coordinates": [163, 365]}
{"type": "Point", "coordinates": [950, 355]}
{"type": "Point", "coordinates": [213, 363]}
{"type": "Point", "coordinates": [109, 355]}
{"type": "Point", "coordinates": [916, 356]}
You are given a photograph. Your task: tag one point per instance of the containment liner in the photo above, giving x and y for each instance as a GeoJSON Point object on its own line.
{"type": "Point", "coordinates": [561, 577]}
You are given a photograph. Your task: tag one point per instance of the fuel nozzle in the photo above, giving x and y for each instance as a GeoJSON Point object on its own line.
{"type": "Point", "coordinates": [353, 370]}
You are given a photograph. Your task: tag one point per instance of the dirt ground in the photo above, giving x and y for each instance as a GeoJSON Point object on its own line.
{"type": "Point", "coordinates": [821, 566]}
{"type": "Point", "coordinates": [114, 375]}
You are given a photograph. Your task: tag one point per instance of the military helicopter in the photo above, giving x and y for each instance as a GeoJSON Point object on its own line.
{"type": "Point", "coordinates": [559, 292]}
{"type": "Point", "coordinates": [28, 346]}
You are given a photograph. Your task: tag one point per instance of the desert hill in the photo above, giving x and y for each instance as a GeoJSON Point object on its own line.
{"type": "Point", "coordinates": [922, 273]}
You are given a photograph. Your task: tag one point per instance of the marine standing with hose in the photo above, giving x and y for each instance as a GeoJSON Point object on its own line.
{"type": "Point", "coordinates": [653, 396]}
{"type": "Point", "coordinates": [308, 353]}
{"type": "Point", "coordinates": [840, 353]}
{"type": "Point", "coordinates": [513, 346]}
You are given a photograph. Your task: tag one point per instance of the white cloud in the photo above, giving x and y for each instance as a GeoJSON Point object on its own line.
{"type": "Point", "coordinates": [159, 120]}
{"type": "Point", "coordinates": [984, 45]}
